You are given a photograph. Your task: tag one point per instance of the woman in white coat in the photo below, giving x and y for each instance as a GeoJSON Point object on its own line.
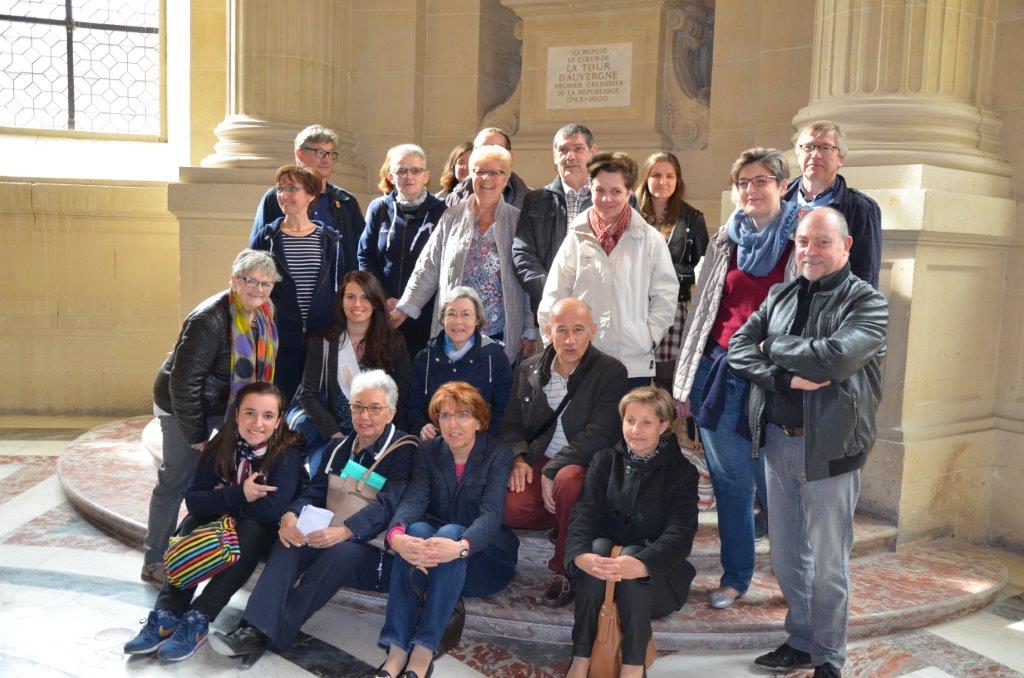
{"type": "Point", "coordinates": [472, 246]}
{"type": "Point", "coordinates": [615, 261]}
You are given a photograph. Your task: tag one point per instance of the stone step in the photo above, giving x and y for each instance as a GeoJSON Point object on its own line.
{"type": "Point", "coordinates": [890, 592]}
{"type": "Point", "coordinates": [108, 474]}
{"type": "Point", "coordinates": [869, 536]}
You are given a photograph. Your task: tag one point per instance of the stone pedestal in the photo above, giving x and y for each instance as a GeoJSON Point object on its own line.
{"type": "Point", "coordinates": [637, 72]}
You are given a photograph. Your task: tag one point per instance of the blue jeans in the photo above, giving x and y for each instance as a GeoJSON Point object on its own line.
{"type": "Point", "coordinates": [482, 574]}
{"type": "Point", "coordinates": [811, 531]}
{"type": "Point", "coordinates": [734, 475]}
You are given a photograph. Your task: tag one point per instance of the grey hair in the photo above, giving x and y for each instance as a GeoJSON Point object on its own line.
{"type": "Point", "coordinates": [822, 127]}
{"type": "Point", "coordinates": [464, 292]}
{"type": "Point", "coordinates": [832, 216]}
{"type": "Point", "coordinates": [479, 138]}
{"type": "Point", "coordinates": [370, 379]}
{"type": "Point", "coordinates": [770, 158]}
{"type": "Point", "coordinates": [572, 128]}
{"type": "Point", "coordinates": [396, 153]}
{"type": "Point", "coordinates": [315, 134]}
{"type": "Point", "coordinates": [255, 260]}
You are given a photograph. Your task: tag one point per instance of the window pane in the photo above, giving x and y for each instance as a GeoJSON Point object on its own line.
{"type": "Point", "coordinates": [117, 12]}
{"type": "Point", "coordinates": [33, 76]}
{"type": "Point", "coordinates": [37, 9]}
{"type": "Point", "coordinates": [117, 86]}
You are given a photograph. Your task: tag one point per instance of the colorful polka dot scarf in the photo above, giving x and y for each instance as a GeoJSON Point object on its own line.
{"type": "Point", "coordinates": [252, 352]}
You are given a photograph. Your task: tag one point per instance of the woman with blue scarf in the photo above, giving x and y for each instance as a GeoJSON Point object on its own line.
{"type": "Point", "coordinates": [460, 352]}
{"type": "Point", "coordinates": [750, 253]}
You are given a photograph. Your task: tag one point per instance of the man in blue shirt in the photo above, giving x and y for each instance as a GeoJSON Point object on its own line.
{"type": "Point", "coordinates": [821, 151]}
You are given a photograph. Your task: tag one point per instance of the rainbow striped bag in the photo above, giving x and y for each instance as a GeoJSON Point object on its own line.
{"type": "Point", "coordinates": [202, 553]}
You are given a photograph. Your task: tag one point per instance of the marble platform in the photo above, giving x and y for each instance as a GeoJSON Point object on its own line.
{"type": "Point", "coordinates": [109, 472]}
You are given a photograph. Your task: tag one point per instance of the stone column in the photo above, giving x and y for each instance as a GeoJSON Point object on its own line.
{"type": "Point", "coordinates": [909, 80]}
{"type": "Point", "coordinates": [288, 67]}
{"type": "Point", "coordinates": [273, 47]}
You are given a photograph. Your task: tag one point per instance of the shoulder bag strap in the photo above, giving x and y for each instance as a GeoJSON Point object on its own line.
{"type": "Point", "coordinates": [581, 373]}
{"type": "Point", "coordinates": [404, 440]}
{"type": "Point", "coordinates": [609, 586]}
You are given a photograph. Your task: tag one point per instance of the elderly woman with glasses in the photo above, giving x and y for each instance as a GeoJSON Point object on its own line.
{"type": "Point", "coordinates": [311, 262]}
{"type": "Point", "coordinates": [460, 352]}
{"type": "Point", "coordinates": [398, 226]}
{"type": "Point", "coordinates": [303, 571]}
{"type": "Point", "coordinates": [447, 533]}
{"type": "Point", "coordinates": [750, 253]}
{"type": "Point", "coordinates": [472, 246]}
{"type": "Point", "coordinates": [226, 342]}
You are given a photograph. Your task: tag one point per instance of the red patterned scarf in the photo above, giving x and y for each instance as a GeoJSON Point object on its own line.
{"type": "Point", "coordinates": [609, 234]}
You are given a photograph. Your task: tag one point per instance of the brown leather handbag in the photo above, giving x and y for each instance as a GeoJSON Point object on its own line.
{"type": "Point", "coordinates": [606, 655]}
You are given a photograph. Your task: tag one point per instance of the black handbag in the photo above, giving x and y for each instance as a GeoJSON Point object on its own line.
{"type": "Point", "coordinates": [456, 623]}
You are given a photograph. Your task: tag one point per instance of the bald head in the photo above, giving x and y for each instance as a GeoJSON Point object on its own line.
{"type": "Point", "coordinates": [822, 243]}
{"type": "Point", "coordinates": [570, 328]}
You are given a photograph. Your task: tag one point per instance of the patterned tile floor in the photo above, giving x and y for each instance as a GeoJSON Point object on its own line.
{"type": "Point", "coordinates": [70, 597]}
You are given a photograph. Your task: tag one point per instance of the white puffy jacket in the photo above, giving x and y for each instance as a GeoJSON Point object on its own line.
{"type": "Point", "coordinates": [633, 292]}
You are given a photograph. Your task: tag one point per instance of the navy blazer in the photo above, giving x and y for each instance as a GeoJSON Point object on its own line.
{"type": "Point", "coordinates": [206, 501]}
{"type": "Point", "coordinates": [396, 467]}
{"type": "Point", "coordinates": [476, 502]}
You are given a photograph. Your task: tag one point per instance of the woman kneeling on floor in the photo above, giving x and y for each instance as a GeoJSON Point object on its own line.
{"type": "Point", "coordinates": [641, 495]}
{"type": "Point", "coordinates": [251, 471]}
{"type": "Point", "coordinates": [337, 556]}
{"type": "Point", "coordinates": [448, 531]}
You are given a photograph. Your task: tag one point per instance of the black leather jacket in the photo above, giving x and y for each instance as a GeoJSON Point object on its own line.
{"type": "Point", "coordinates": [842, 342]}
{"type": "Point", "coordinates": [687, 244]}
{"type": "Point", "coordinates": [194, 382]}
{"type": "Point", "coordinates": [541, 230]}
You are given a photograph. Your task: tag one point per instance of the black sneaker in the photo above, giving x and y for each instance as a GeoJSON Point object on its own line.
{"type": "Point", "coordinates": [827, 671]}
{"type": "Point", "coordinates": [783, 659]}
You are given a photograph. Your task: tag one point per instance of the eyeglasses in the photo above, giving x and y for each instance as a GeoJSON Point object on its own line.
{"type": "Point", "coordinates": [254, 283]}
{"type": "Point", "coordinates": [824, 149]}
{"type": "Point", "coordinates": [320, 153]}
{"type": "Point", "coordinates": [455, 315]}
{"type": "Point", "coordinates": [405, 171]}
{"type": "Point", "coordinates": [462, 416]}
{"type": "Point", "coordinates": [759, 181]}
{"type": "Point", "coordinates": [488, 173]}
{"type": "Point", "coordinates": [375, 408]}
{"type": "Point", "coordinates": [290, 189]}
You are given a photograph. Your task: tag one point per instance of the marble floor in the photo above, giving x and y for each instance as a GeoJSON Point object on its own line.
{"type": "Point", "coordinates": [70, 597]}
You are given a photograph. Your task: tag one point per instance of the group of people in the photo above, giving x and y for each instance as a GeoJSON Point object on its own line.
{"type": "Point", "coordinates": [502, 358]}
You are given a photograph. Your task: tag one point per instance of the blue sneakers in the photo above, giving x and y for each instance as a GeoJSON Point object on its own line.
{"type": "Point", "coordinates": [159, 627]}
{"type": "Point", "coordinates": [186, 639]}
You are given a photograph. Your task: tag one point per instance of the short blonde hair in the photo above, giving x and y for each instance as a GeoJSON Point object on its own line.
{"type": "Point", "coordinates": [491, 153]}
{"type": "Point", "coordinates": [653, 396]}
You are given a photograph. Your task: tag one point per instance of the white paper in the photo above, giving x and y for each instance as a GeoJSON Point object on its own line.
{"type": "Point", "coordinates": [313, 518]}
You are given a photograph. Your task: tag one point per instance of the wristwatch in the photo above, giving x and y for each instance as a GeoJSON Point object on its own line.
{"type": "Point", "coordinates": [465, 549]}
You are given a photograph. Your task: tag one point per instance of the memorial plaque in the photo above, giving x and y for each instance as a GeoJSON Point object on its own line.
{"type": "Point", "coordinates": [590, 76]}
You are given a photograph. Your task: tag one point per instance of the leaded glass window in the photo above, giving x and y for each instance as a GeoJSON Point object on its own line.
{"type": "Point", "coordinates": [82, 65]}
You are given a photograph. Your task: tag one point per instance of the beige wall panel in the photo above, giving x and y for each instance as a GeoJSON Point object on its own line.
{"type": "Point", "coordinates": [882, 481]}
{"type": "Point", "coordinates": [1007, 505]}
{"type": "Point", "coordinates": [784, 24]}
{"type": "Point", "coordinates": [733, 88]}
{"type": "Point", "coordinates": [954, 339]}
{"type": "Point", "coordinates": [954, 498]}
{"type": "Point", "coordinates": [94, 299]}
{"type": "Point", "coordinates": [1011, 351]}
{"type": "Point", "coordinates": [737, 31]}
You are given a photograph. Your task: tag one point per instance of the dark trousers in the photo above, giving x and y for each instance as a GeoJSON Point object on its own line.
{"type": "Point", "coordinates": [254, 541]}
{"type": "Point", "coordinates": [279, 606]}
{"type": "Point", "coordinates": [638, 603]}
